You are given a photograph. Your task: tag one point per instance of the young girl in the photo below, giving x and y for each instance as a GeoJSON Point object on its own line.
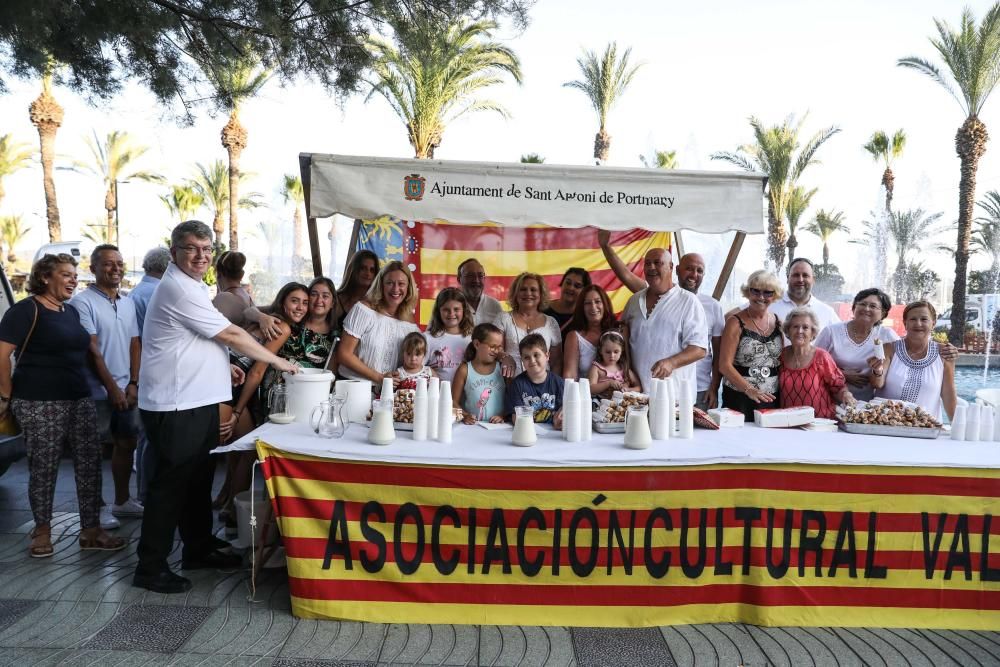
{"type": "Point", "coordinates": [448, 334]}
{"type": "Point", "coordinates": [414, 350]}
{"type": "Point", "coordinates": [478, 387]}
{"type": "Point", "coordinates": [612, 369]}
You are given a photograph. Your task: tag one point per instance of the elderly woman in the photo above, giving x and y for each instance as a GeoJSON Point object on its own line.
{"type": "Point", "coordinates": [376, 326]}
{"type": "Point", "coordinates": [528, 297]}
{"type": "Point", "coordinates": [852, 343]}
{"type": "Point", "coordinates": [809, 376]}
{"type": "Point", "coordinates": [750, 352]}
{"type": "Point", "coordinates": [914, 369]}
{"type": "Point", "coordinates": [562, 309]}
{"type": "Point", "coordinates": [51, 400]}
{"type": "Point", "coordinates": [593, 316]}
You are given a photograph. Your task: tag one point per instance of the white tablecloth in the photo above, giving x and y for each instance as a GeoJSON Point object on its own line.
{"type": "Point", "coordinates": [475, 446]}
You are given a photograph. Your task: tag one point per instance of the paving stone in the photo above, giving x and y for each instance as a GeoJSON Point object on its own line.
{"type": "Point", "coordinates": [951, 644]}
{"type": "Point", "coordinates": [64, 625]}
{"type": "Point", "coordinates": [748, 647]}
{"type": "Point", "coordinates": [13, 610]}
{"type": "Point", "coordinates": [431, 645]}
{"type": "Point", "coordinates": [501, 645]}
{"type": "Point", "coordinates": [286, 662]}
{"type": "Point", "coordinates": [614, 646]}
{"type": "Point", "coordinates": [242, 631]}
{"type": "Point", "coordinates": [150, 628]}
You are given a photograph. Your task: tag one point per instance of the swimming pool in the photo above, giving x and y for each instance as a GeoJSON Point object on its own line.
{"type": "Point", "coordinates": [970, 378]}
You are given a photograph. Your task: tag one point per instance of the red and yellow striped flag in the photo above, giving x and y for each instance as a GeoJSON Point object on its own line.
{"type": "Point", "coordinates": [434, 250]}
{"type": "Point", "coordinates": [631, 547]}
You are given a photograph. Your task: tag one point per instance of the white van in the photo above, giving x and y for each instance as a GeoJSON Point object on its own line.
{"type": "Point", "coordinates": [72, 248]}
{"type": "Point", "coordinates": [979, 312]}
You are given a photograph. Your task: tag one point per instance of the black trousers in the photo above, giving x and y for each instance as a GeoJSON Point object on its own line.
{"type": "Point", "coordinates": [179, 495]}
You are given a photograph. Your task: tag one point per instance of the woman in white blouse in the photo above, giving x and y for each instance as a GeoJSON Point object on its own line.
{"type": "Point", "coordinates": [376, 326]}
{"type": "Point", "coordinates": [528, 297]}
{"type": "Point", "coordinates": [851, 343]}
{"type": "Point", "coordinates": [914, 369]}
{"type": "Point", "coordinates": [593, 316]}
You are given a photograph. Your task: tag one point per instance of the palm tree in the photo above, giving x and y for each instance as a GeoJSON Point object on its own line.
{"type": "Point", "coordinates": [798, 202]}
{"type": "Point", "coordinates": [291, 190]}
{"type": "Point", "coordinates": [972, 56]}
{"type": "Point", "coordinates": [884, 149]}
{"type": "Point", "coordinates": [532, 158]}
{"type": "Point", "coordinates": [13, 156]}
{"type": "Point", "coordinates": [825, 225]}
{"type": "Point", "coordinates": [46, 115]}
{"type": "Point", "coordinates": [113, 161]}
{"type": "Point", "coordinates": [605, 79]}
{"type": "Point", "coordinates": [433, 73]}
{"type": "Point", "coordinates": [97, 232]}
{"type": "Point", "coordinates": [12, 232]}
{"type": "Point", "coordinates": [183, 201]}
{"type": "Point", "coordinates": [235, 81]}
{"type": "Point", "coordinates": [986, 237]}
{"type": "Point", "coordinates": [773, 154]}
{"type": "Point", "coordinates": [662, 160]}
{"type": "Point", "coordinates": [211, 183]}
{"type": "Point", "coordinates": [909, 231]}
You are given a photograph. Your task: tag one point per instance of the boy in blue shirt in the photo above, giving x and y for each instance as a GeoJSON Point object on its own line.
{"type": "Point", "coordinates": [537, 386]}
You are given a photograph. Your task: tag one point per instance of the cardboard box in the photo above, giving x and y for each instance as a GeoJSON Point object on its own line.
{"type": "Point", "coordinates": [727, 418]}
{"type": "Point", "coordinates": [783, 417]}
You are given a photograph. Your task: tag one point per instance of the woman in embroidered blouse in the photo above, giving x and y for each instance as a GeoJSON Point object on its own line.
{"type": "Point", "coordinates": [376, 326]}
{"type": "Point", "coordinates": [750, 353]}
{"type": "Point", "coordinates": [528, 297]}
{"type": "Point", "coordinates": [914, 369]}
{"type": "Point", "coordinates": [851, 343]}
{"type": "Point", "coordinates": [809, 376]}
{"type": "Point", "coordinates": [593, 316]}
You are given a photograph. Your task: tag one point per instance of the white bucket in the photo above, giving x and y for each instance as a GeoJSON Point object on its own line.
{"type": "Point", "coordinates": [307, 389]}
{"type": "Point", "coordinates": [262, 510]}
{"type": "Point", "coordinates": [357, 395]}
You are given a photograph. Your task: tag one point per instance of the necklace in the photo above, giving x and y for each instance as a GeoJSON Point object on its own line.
{"type": "Point", "coordinates": [55, 304]}
{"type": "Point", "coordinates": [857, 339]}
{"type": "Point", "coordinates": [755, 325]}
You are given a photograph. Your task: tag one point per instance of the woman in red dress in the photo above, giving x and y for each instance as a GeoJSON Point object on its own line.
{"type": "Point", "coordinates": [809, 375]}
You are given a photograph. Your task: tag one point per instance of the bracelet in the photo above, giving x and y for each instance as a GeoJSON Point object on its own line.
{"type": "Point", "coordinates": [878, 374]}
{"type": "Point", "coordinates": [135, 382]}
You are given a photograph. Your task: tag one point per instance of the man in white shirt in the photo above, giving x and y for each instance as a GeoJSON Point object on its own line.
{"type": "Point", "coordinates": [799, 293]}
{"type": "Point", "coordinates": [472, 279]}
{"type": "Point", "coordinates": [690, 273]}
{"type": "Point", "coordinates": [668, 331]}
{"type": "Point", "coordinates": [183, 377]}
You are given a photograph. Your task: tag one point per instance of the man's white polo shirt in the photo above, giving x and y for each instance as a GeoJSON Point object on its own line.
{"type": "Point", "coordinates": [824, 313]}
{"type": "Point", "coordinates": [182, 366]}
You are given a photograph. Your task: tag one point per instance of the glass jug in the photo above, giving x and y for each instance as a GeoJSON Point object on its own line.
{"type": "Point", "coordinates": [277, 404]}
{"type": "Point", "coordinates": [327, 420]}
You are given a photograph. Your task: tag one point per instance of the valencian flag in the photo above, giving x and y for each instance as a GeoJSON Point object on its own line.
{"type": "Point", "coordinates": [433, 252]}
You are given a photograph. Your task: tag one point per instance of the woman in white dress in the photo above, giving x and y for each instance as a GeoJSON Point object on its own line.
{"type": "Point", "coordinates": [593, 316]}
{"type": "Point", "coordinates": [375, 327]}
{"type": "Point", "coordinates": [852, 343]}
{"type": "Point", "coordinates": [527, 298]}
{"type": "Point", "coordinates": [914, 369]}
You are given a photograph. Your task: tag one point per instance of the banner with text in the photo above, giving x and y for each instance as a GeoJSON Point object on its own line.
{"type": "Point", "coordinates": [521, 195]}
{"type": "Point", "coordinates": [801, 545]}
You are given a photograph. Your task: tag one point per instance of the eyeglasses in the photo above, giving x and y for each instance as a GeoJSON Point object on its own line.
{"type": "Point", "coordinates": [206, 251]}
{"type": "Point", "coordinates": [869, 306]}
{"type": "Point", "coordinates": [768, 293]}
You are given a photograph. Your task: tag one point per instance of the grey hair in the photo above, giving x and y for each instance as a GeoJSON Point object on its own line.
{"type": "Point", "coordinates": [156, 260]}
{"type": "Point", "coordinates": [95, 254]}
{"type": "Point", "coordinates": [800, 311]}
{"type": "Point", "coordinates": [195, 228]}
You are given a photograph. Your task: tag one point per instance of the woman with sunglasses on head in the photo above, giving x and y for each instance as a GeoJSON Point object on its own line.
{"type": "Point", "coordinates": [750, 354]}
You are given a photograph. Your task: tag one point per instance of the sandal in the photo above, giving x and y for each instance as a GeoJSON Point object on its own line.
{"type": "Point", "coordinates": [101, 541]}
{"type": "Point", "coordinates": [41, 542]}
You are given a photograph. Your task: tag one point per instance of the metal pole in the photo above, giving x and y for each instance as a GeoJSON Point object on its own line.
{"type": "Point", "coordinates": [117, 223]}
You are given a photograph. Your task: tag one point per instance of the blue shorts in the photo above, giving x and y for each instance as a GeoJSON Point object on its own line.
{"type": "Point", "coordinates": [111, 422]}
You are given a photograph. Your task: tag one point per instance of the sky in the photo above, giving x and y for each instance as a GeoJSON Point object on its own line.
{"type": "Point", "coordinates": [707, 68]}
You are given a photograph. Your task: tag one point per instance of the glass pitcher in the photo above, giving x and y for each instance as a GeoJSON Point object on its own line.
{"type": "Point", "coordinates": [327, 420]}
{"type": "Point", "coordinates": [277, 405]}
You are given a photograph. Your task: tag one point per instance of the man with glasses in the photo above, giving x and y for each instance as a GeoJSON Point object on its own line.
{"type": "Point", "coordinates": [472, 279]}
{"type": "Point", "coordinates": [184, 375]}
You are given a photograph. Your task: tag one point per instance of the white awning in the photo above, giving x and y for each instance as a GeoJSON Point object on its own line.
{"type": "Point", "coordinates": [520, 195]}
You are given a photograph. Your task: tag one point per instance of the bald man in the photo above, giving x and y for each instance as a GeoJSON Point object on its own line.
{"type": "Point", "coordinates": [690, 274]}
{"type": "Point", "coordinates": [668, 330]}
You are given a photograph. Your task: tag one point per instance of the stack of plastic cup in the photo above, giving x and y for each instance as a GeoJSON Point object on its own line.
{"type": "Point", "coordinates": [420, 411]}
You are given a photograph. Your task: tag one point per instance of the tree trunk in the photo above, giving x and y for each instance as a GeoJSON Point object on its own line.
{"type": "Point", "coordinates": [218, 226]}
{"type": "Point", "coordinates": [775, 237]}
{"type": "Point", "coordinates": [826, 255]}
{"type": "Point", "coordinates": [970, 144]}
{"type": "Point", "coordinates": [110, 205]}
{"type": "Point", "coordinates": [888, 180]}
{"type": "Point", "coordinates": [602, 146]}
{"type": "Point", "coordinates": [792, 244]}
{"type": "Point", "coordinates": [234, 140]}
{"type": "Point", "coordinates": [46, 115]}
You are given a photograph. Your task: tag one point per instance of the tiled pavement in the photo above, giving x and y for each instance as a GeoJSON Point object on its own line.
{"type": "Point", "coordinates": [79, 609]}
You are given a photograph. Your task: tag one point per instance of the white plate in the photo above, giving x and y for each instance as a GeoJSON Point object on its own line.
{"type": "Point", "coordinates": [609, 427]}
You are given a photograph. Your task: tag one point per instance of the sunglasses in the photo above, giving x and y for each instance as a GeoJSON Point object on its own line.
{"type": "Point", "coordinates": [768, 293]}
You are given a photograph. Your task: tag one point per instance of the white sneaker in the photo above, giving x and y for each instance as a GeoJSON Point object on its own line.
{"type": "Point", "coordinates": [108, 521]}
{"type": "Point", "coordinates": [129, 508]}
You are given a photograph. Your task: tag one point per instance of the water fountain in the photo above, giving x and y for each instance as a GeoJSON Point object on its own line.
{"type": "Point", "coordinates": [881, 241]}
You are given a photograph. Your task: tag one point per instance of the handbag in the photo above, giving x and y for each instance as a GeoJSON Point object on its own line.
{"type": "Point", "coordinates": [8, 423]}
